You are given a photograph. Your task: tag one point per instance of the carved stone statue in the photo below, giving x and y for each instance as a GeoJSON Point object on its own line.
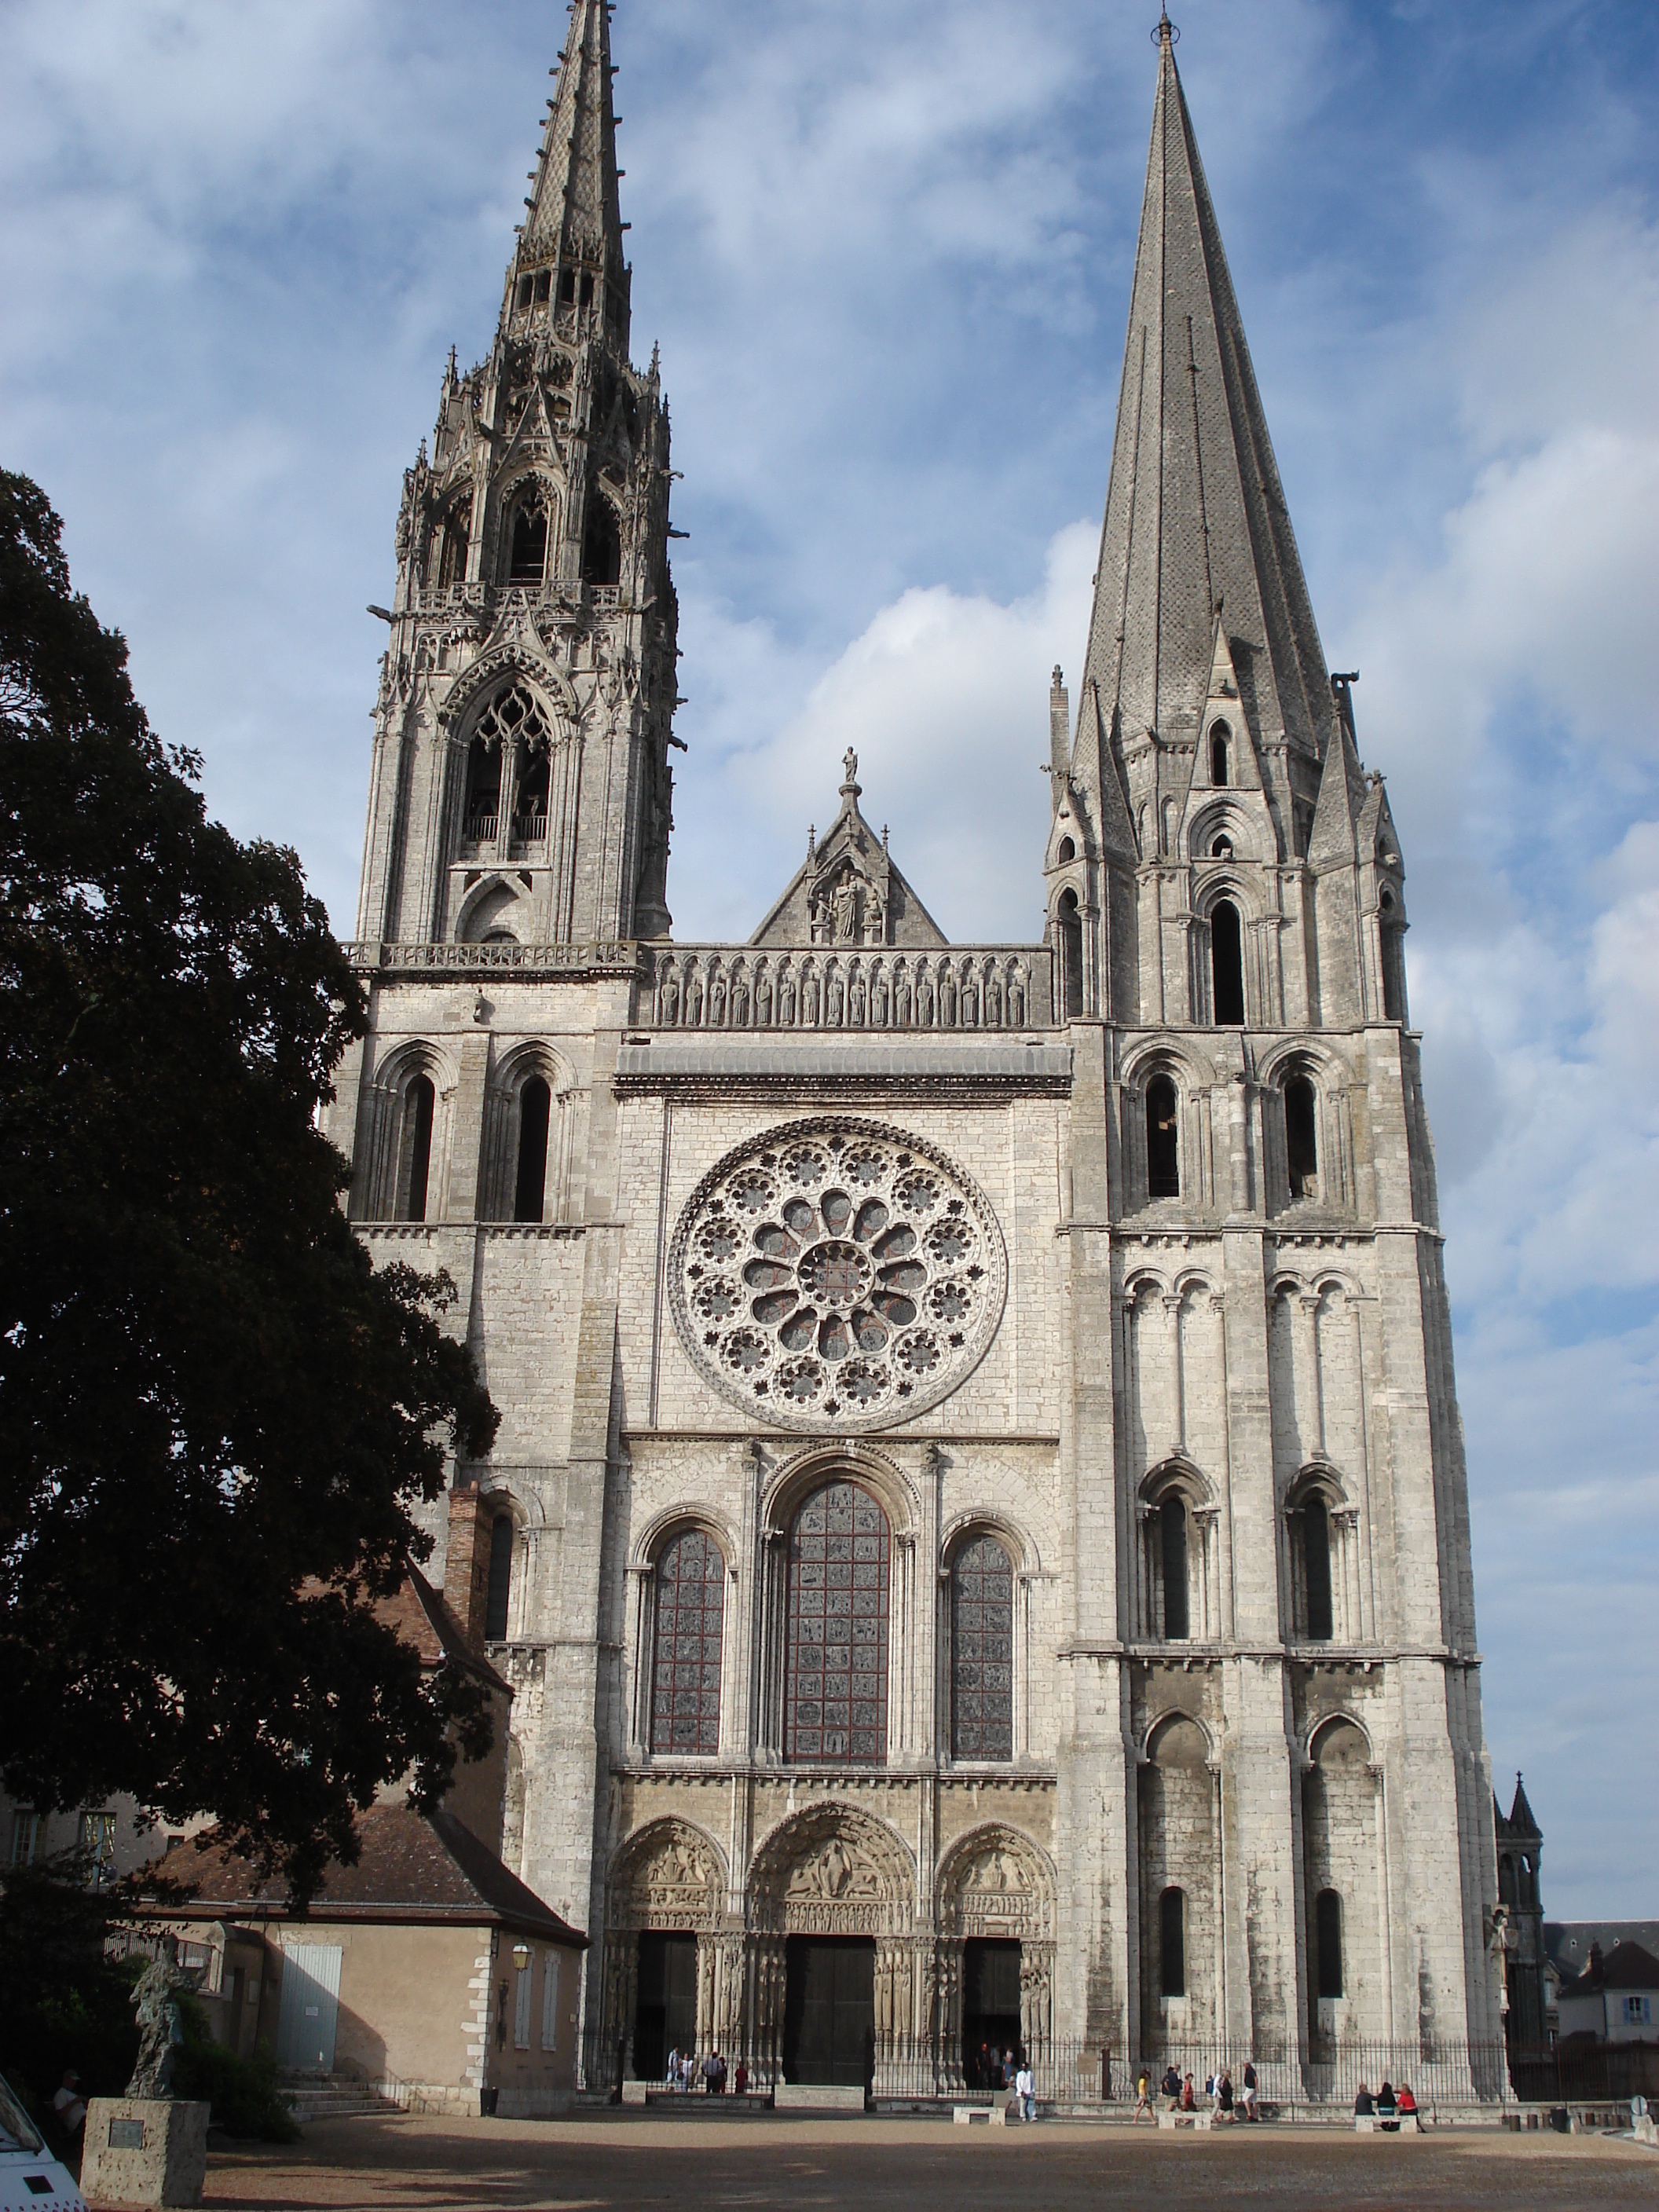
{"type": "Point", "coordinates": [818, 913]}
{"type": "Point", "coordinates": [875, 917]}
{"type": "Point", "coordinates": [160, 2029]}
{"type": "Point", "coordinates": [844, 907]}
{"type": "Point", "coordinates": [849, 761]}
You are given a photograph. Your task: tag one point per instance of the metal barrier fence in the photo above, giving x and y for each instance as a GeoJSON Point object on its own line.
{"type": "Point", "coordinates": [1071, 2072]}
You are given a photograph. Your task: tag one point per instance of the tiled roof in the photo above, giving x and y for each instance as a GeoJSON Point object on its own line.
{"type": "Point", "coordinates": [423, 1617]}
{"type": "Point", "coordinates": [414, 1868]}
{"type": "Point", "coordinates": [1628, 1967]}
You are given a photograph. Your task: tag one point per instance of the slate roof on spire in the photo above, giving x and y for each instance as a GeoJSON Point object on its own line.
{"type": "Point", "coordinates": [1195, 514]}
{"type": "Point", "coordinates": [575, 208]}
{"type": "Point", "coordinates": [1523, 1821]}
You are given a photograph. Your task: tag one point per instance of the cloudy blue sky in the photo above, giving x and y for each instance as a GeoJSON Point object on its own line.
{"type": "Point", "coordinates": [885, 246]}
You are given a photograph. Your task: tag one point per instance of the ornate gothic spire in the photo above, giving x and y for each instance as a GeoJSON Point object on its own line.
{"type": "Point", "coordinates": [1195, 516]}
{"type": "Point", "coordinates": [575, 228]}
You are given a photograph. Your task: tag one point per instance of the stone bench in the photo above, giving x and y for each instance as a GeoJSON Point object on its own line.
{"type": "Point", "coordinates": [1372, 2123]}
{"type": "Point", "coordinates": [1167, 2119]}
{"type": "Point", "coordinates": [963, 2116]}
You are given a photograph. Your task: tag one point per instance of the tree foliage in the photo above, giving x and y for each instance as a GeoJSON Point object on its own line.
{"type": "Point", "coordinates": [214, 1418]}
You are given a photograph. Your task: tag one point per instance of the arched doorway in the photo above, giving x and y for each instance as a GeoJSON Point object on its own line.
{"type": "Point", "coordinates": [997, 1945]}
{"type": "Point", "coordinates": [670, 1983]}
{"type": "Point", "coordinates": [836, 1978]}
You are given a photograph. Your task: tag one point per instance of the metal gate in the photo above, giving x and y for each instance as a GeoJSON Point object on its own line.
{"type": "Point", "coordinates": [311, 1999]}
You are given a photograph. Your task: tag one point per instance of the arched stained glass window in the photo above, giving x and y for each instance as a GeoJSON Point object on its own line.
{"type": "Point", "coordinates": [983, 1652]}
{"type": "Point", "coordinates": [836, 1666]}
{"type": "Point", "coordinates": [685, 1695]}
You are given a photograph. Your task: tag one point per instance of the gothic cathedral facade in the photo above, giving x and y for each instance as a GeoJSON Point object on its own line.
{"type": "Point", "coordinates": [978, 1529]}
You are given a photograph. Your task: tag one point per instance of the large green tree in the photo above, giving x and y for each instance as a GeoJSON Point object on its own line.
{"type": "Point", "coordinates": [215, 1417]}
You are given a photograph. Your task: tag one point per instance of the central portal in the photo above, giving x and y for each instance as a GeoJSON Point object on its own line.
{"type": "Point", "coordinates": [830, 2010]}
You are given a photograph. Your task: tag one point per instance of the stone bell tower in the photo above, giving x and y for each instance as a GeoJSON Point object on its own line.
{"type": "Point", "coordinates": [521, 785]}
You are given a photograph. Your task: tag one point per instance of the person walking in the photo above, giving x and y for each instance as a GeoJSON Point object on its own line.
{"type": "Point", "coordinates": [1025, 2088]}
{"type": "Point", "coordinates": [1250, 2111]}
{"type": "Point", "coordinates": [1189, 2099]}
{"type": "Point", "coordinates": [1170, 2087]}
{"type": "Point", "coordinates": [672, 2078]}
{"type": "Point", "coordinates": [1224, 2097]}
{"type": "Point", "coordinates": [1143, 2100]}
{"type": "Point", "coordinates": [741, 2084]}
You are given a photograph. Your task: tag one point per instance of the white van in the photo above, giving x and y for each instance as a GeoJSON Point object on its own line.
{"type": "Point", "coordinates": [31, 2179]}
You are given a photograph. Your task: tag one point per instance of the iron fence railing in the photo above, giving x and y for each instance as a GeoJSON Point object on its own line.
{"type": "Point", "coordinates": [1071, 2072]}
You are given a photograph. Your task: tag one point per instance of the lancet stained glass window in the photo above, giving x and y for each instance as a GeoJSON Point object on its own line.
{"type": "Point", "coordinates": [685, 1701]}
{"type": "Point", "coordinates": [983, 1652]}
{"type": "Point", "coordinates": [835, 1678]}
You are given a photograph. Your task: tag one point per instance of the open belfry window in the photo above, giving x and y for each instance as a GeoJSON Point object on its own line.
{"type": "Point", "coordinates": [415, 1150]}
{"type": "Point", "coordinates": [601, 542]}
{"type": "Point", "coordinates": [527, 558]}
{"type": "Point", "coordinates": [530, 1185]}
{"type": "Point", "coordinates": [1226, 964]}
{"type": "Point", "coordinates": [1162, 1139]}
{"type": "Point", "coordinates": [1301, 1137]}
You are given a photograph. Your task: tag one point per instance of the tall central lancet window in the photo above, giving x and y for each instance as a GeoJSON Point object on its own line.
{"type": "Point", "coordinates": [1162, 1140]}
{"type": "Point", "coordinates": [685, 1689]}
{"type": "Point", "coordinates": [415, 1150]}
{"type": "Point", "coordinates": [983, 1652]}
{"type": "Point", "coordinates": [530, 1184]}
{"type": "Point", "coordinates": [1172, 1539]}
{"type": "Point", "coordinates": [836, 1664]}
{"type": "Point", "coordinates": [1226, 964]}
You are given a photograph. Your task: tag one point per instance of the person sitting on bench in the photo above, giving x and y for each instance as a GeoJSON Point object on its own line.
{"type": "Point", "coordinates": [1386, 2109]}
{"type": "Point", "coordinates": [1364, 2104]}
{"type": "Point", "coordinates": [1407, 2106]}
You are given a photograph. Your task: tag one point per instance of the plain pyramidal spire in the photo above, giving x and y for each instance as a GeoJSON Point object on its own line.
{"type": "Point", "coordinates": [572, 235]}
{"type": "Point", "coordinates": [1196, 525]}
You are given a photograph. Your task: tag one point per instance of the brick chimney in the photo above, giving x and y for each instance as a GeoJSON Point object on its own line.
{"type": "Point", "coordinates": [466, 1564]}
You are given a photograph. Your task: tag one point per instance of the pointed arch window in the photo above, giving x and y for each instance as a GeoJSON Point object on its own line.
{"type": "Point", "coordinates": [1219, 734]}
{"type": "Point", "coordinates": [1162, 1139]}
{"type": "Point", "coordinates": [1172, 1544]}
{"type": "Point", "coordinates": [983, 1652]}
{"type": "Point", "coordinates": [602, 540]}
{"type": "Point", "coordinates": [836, 1607]}
{"type": "Point", "coordinates": [1301, 1137]}
{"type": "Point", "coordinates": [1317, 1570]}
{"type": "Point", "coordinates": [527, 557]}
{"type": "Point", "coordinates": [1227, 965]}
{"type": "Point", "coordinates": [1068, 921]}
{"type": "Point", "coordinates": [499, 1596]}
{"type": "Point", "coordinates": [1172, 1943]}
{"type": "Point", "coordinates": [530, 1184]}
{"type": "Point", "coordinates": [415, 1149]}
{"type": "Point", "coordinates": [687, 1645]}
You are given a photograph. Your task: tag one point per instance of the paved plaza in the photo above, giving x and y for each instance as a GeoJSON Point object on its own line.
{"type": "Point", "coordinates": [591, 2163]}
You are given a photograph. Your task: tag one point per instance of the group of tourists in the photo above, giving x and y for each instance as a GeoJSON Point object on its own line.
{"type": "Point", "coordinates": [1180, 2093]}
{"type": "Point", "coordinates": [990, 2068]}
{"type": "Point", "coordinates": [684, 2071]}
{"type": "Point", "coordinates": [1389, 2108]}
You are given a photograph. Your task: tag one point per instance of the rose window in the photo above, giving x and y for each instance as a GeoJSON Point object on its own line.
{"type": "Point", "coordinates": [836, 1274]}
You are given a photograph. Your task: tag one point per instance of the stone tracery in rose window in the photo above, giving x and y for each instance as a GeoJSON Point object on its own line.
{"type": "Point", "coordinates": [836, 1274]}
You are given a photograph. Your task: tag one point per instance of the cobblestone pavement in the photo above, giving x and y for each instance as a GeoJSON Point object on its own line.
{"type": "Point", "coordinates": [589, 2163]}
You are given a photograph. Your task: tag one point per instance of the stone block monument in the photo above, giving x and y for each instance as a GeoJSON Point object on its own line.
{"type": "Point", "coordinates": [149, 2147]}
